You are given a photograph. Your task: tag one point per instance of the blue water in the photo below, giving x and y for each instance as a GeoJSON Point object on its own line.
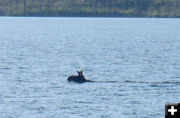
{"type": "Point", "coordinates": [135, 63]}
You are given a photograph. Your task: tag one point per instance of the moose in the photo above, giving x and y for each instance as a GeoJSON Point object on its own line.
{"type": "Point", "coordinates": [78, 78]}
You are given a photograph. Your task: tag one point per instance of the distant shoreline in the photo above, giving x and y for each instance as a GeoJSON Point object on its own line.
{"type": "Point", "coordinates": [91, 8]}
{"type": "Point", "coordinates": [91, 17]}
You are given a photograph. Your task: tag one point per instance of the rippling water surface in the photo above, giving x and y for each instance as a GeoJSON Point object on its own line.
{"type": "Point", "coordinates": [135, 63]}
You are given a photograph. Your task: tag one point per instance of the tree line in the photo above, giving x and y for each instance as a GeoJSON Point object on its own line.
{"type": "Point", "coordinates": [114, 8]}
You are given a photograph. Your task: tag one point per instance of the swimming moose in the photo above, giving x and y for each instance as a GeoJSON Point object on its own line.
{"type": "Point", "coordinates": [78, 78]}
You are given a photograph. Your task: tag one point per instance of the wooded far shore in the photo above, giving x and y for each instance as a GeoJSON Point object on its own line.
{"type": "Point", "coordinates": [91, 8]}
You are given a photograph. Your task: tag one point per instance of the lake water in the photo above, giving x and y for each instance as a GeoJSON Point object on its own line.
{"type": "Point", "coordinates": [135, 63]}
